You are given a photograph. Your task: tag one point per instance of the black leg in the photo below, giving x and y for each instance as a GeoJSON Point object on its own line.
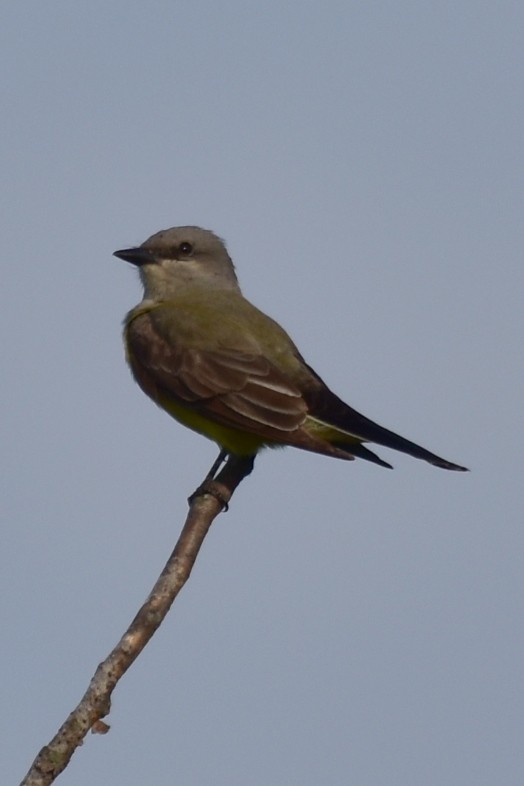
{"type": "Point", "coordinates": [222, 456]}
{"type": "Point", "coordinates": [214, 487]}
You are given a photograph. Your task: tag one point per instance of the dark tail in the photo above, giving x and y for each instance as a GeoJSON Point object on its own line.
{"type": "Point", "coordinates": [331, 410]}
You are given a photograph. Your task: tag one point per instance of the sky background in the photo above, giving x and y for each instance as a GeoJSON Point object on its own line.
{"type": "Point", "coordinates": [344, 624]}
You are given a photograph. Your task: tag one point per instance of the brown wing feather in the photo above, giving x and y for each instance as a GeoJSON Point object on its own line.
{"type": "Point", "coordinates": [238, 389]}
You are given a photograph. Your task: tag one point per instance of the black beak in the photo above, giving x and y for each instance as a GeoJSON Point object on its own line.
{"type": "Point", "coordinates": [137, 256]}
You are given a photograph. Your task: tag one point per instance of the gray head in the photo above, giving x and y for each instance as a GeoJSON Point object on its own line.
{"type": "Point", "coordinates": [181, 257]}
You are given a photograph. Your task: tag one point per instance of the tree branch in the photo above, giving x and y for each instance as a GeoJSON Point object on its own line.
{"type": "Point", "coordinates": [205, 504]}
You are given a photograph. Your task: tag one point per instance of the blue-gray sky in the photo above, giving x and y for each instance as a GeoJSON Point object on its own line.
{"type": "Point", "coordinates": [344, 623]}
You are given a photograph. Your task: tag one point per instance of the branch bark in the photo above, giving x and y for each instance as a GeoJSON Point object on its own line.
{"type": "Point", "coordinates": [205, 504]}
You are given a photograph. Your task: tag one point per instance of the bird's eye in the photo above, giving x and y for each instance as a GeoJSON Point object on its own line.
{"type": "Point", "coordinates": [186, 249]}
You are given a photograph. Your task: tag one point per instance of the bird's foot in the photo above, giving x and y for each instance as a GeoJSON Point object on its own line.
{"type": "Point", "coordinates": [214, 489]}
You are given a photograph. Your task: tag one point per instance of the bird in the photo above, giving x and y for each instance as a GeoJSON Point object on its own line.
{"type": "Point", "coordinates": [223, 368]}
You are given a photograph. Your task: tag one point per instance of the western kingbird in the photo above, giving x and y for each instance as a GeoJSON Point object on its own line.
{"type": "Point", "coordinates": [223, 368]}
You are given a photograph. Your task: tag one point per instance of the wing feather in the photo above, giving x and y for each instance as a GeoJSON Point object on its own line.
{"type": "Point", "coordinates": [236, 388]}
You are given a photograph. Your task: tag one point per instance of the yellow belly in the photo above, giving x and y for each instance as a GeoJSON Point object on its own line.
{"type": "Point", "coordinates": [240, 443]}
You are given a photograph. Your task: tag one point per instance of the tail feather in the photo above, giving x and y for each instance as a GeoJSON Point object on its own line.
{"type": "Point", "coordinates": [327, 407]}
{"type": "Point", "coordinates": [357, 449]}
{"type": "Point", "coordinates": [382, 436]}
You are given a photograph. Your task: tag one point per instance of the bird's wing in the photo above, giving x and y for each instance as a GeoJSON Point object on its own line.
{"type": "Point", "coordinates": [239, 389]}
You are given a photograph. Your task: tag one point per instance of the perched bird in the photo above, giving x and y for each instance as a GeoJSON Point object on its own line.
{"type": "Point", "coordinates": [223, 368]}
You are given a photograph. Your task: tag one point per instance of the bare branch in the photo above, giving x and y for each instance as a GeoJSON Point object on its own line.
{"type": "Point", "coordinates": [207, 502]}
